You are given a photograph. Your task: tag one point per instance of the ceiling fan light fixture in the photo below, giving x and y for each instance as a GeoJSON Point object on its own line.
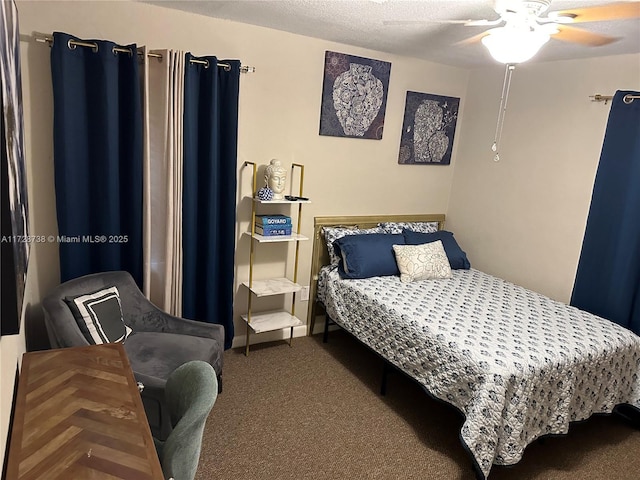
{"type": "Point", "coordinates": [512, 45]}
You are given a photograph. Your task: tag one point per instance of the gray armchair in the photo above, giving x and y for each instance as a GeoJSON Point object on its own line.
{"type": "Point", "coordinates": [191, 392]}
{"type": "Point", "coordinates": [159, 344]}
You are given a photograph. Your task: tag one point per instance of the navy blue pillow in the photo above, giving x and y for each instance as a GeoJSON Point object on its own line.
{"type": "Point", "coordinates": [457, 258]}
{"type": "Point", "coordinates": [367, 255]}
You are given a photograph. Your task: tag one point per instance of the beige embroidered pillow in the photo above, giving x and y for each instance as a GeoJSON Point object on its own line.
{"type": "Point", "coordinates": [427, 261]}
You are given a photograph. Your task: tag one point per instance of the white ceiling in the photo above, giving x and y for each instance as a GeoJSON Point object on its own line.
{"type": "Point", "coordinates": [362, 23]}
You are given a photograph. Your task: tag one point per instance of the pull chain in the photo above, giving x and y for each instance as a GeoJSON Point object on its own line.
{"type": "Point", "coordinates": [503, 110]}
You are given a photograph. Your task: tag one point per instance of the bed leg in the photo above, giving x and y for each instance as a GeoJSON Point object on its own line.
{"type": "Point", "coordinates": [479, 475]}
{"type": "Point", "coordinates": [383, 384]}
{"type": "Point", "coordinates": [325, 334]}
{"type": "Point", "coordinates": [628, 413]}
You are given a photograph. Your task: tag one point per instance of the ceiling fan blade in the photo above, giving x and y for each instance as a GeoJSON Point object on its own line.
{"type": "Point", "coordinates": [474, 39]}
{"type": "Point", "coordinates": [483, 23]}
{"type": "Point", "coordinates": [420, 22]}
{"type": "Point", "coordinates": [469, 23]}
{"type": "Point", "coordinates": [583, 37]}
{"type": "Point", "coordinates": [612, 11]}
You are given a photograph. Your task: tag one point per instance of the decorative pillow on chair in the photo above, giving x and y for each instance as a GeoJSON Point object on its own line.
{"type": "Point", "coordinates": [331, 234]}
{"type": "Point", "coordinates": [370, 255]}
{"type": "Point", "coordinates": [398, 227]}
{"type": "Point", "coordinates": [457, 258]}
{"type": "Point", "coordinates": [427, 261]}
{"type": "Point", "coordinates": [99, 316]}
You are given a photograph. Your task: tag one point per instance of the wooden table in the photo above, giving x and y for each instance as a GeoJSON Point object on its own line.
{"type": "Point", "coordinates": [79, 416]}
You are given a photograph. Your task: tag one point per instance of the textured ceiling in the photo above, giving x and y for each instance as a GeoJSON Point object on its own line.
{"type": "Point", "coordinates": [407, 27]}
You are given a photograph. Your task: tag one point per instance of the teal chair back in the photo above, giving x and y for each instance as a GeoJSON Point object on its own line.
{"type": "Point", "coordinates": [190, 393]}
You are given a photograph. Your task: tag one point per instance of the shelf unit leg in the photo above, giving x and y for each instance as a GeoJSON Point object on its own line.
{"type": "Point", "coordinates": [246, 347]}
{"type": "Point", "coordinates": [291, 336]}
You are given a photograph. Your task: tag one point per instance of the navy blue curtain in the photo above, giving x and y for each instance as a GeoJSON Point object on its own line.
{"type": "Point", "coordinates": [209, 191]}
{"type": "Point", "coordinates": [608, 277]}
{"type": "Point", "coordinates": [97, 157]}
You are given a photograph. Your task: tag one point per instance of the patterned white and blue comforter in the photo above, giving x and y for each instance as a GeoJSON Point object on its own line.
{"type": "Point", "coordinates": [516, 363]}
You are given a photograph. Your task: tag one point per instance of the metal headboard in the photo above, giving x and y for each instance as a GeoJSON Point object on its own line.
{"type": "Point", "coordinates": [320, 255]}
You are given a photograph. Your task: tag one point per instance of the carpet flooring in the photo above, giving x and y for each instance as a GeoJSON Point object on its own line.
{"type": "Point", "coordinates": [313, 411]}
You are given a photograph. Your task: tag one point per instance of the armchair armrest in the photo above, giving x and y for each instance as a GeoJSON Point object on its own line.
{"type": "Point", "coordinates": [155, 320]}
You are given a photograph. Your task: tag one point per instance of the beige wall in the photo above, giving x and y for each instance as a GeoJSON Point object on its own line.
{"type": "Point", "coordinates": [11, 349]}
{"type": "Point", "coordinates": [523, 218]}
{"type": "Point", "coordinates": [279, 118]}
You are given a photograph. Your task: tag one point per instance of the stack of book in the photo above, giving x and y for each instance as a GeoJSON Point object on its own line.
{"type": "Point", "coordinates": [273, 225]}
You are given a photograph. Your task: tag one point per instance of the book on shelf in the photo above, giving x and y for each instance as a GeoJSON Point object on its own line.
{"type": "Point", "coordinates": [273, 230]}
{"type": "Point", "coordinates": [273, 220]}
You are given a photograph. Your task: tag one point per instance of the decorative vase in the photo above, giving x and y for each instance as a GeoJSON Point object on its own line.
{"type": "Point", "coordinates": [357, 98]}
{"type": "Point", "coordinates": [265, 193]}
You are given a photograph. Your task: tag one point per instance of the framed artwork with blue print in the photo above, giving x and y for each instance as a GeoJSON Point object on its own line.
{"type": "Point", "coordinates": [428, 129]}
{"type": "Point", "coordinates": [354, 96]}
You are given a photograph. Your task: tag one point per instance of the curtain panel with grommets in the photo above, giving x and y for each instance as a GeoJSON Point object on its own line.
{"type": "Point", "coordinates": [608, 277]}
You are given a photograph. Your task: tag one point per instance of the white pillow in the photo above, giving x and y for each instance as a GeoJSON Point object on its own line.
{"type": "Point", "coordinates": [427, 261]}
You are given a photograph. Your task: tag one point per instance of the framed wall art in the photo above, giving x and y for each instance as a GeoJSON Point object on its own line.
{"type": "Point", "coordinates": [354, 96]}
{"type": "Point", "coordinates": [428, 129]}
{"type": "Point", "coordinates": [13, 190]}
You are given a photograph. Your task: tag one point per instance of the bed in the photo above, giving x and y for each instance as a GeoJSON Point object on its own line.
{"type": "Point", "coordinates": [517, 364]}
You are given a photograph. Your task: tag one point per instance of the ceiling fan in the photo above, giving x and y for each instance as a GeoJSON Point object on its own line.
{"type": "Point", "coordinates": [523, 26]}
